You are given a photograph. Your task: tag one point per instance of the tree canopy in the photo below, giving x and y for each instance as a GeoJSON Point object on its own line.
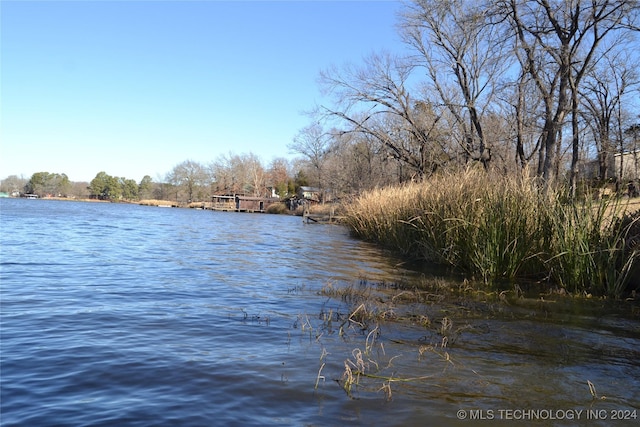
{"type": "Point", "coordinates": [45, 183]}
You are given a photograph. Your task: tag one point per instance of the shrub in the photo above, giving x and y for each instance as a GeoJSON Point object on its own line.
{"type": "Point", "coordinates": [277, 208]}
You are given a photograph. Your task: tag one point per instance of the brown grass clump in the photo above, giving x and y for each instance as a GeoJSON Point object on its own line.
{"type": "Point", "coordinates": [155, 202]}
{"type": "Point", "coordinates": [277, 208]}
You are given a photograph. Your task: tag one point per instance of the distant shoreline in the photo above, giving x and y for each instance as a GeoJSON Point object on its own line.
{"type": "Point", "coordinates": [131, 202]}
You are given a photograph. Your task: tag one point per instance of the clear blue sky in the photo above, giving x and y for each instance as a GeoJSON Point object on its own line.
{"type": "Point", "coordinates": [133, 88]}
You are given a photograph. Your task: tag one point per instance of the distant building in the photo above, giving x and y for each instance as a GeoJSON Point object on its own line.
{"type": "Point", "coordinates": [313, 194]}
{"type": "Point", "coordinates": [629, 164]}
{"type": "Point", "coordinates": [254, 204]}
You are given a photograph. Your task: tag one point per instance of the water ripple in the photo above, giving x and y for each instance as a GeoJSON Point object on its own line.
{"type": "Point", "coordinates": [127, 315]}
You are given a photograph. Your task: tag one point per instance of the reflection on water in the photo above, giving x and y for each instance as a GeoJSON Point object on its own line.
{"type": "Point", "coordinates": [122, 314]}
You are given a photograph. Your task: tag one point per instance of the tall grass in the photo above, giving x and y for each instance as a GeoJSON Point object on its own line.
{"type": "Point", "coordinates": [498, 228]}
{"type": "Point", "coordinates": [586, 246]}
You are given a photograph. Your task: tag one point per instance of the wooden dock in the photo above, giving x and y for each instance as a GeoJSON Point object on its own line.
{"type": "Point", "coordinates": [241, 203]}
{"type": "Point", "coordinates": [310, 218]}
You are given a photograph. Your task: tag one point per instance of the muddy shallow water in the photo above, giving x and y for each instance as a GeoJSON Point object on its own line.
{"type": "Point", "coordinates": [131, 315]}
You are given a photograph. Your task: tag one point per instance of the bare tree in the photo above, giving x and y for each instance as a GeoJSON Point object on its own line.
{"type": "Point", "coordinates": [501, 77]}
{"type": "Point", "coordinates": [313, 143]}
{"type": "Point", "coordinates": [463, 59]}
{"type": "Point", "coordinates": [238, 174]}
{"type": "Point", "coordinates": [557, 44]}
{"type": "Point", "coordinates": [520, 111]}
{"type": "Point", "coordinates": [221, 175]}
{"type": "Point", "coordinates": [603, 94]}
{"type": "Point", "coordinates": [374, 100]}
{"type": "Point", "coordinates": [13, 184]}
{"type": "Point", "coordinates": [356, 162]}
{"type": "Point", "coordinates": [256, 173]}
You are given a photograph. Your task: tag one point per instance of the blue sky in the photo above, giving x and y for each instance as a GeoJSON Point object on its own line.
{"type": "Point", "coordinates": [133, 88]}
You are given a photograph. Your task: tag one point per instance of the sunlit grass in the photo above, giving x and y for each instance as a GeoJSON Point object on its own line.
{"type": "Point", "coordinates": [499, 229]}
{"type": "Point", "coordinates": [155, 202]}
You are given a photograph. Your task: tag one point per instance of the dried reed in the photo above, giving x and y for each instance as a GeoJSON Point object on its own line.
{"type": "Point", "coordinates": [496, 228]}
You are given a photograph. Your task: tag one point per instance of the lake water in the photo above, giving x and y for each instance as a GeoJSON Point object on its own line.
{"type": "Point", "coordinates": [115, 314]}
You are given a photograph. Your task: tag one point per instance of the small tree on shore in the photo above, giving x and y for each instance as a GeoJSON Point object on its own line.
{"type": "Point", "coordinates": [105, 187]}
{"type": "Point", "coordinates": [190, 178]}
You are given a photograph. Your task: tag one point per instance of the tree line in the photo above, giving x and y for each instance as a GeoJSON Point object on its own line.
{"type": "Point", "coordinates": [548, 87]}
{"type": "Point", "coordinates": [188, 181]}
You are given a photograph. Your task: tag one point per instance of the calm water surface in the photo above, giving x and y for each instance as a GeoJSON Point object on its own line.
{"type": "Point", "coordinates": [117, 314]}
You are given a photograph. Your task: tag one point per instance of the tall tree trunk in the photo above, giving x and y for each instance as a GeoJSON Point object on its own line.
{"type": "Point", "coordinates": [575, 142]}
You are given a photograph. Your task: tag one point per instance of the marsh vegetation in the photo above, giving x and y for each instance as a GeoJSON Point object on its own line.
{"type": "Point", "coordinates": [420, 336]}
{"type": "Point", "coordinates": [497, 229]}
